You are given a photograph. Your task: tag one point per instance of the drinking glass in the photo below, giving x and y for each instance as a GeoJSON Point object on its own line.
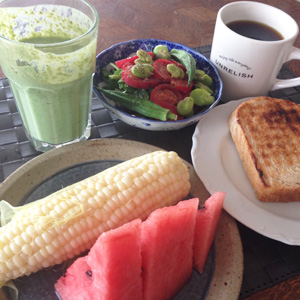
{"type": "Point", "coordinates": [48, 54]}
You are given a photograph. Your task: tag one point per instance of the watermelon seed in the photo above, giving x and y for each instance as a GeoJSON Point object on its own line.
{"type": "Point", "coordinates": [89, 273]}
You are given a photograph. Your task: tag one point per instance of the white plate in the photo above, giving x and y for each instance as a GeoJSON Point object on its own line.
{"type": "Point", "coordinates": [217, 163]}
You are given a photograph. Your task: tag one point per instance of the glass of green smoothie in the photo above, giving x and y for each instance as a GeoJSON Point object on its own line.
{"type": "Point", "coordinates": [48, 54]}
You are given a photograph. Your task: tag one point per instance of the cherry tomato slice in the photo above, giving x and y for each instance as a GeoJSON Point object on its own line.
{"type": "Point", "coordinates": [160, 69]}
{"type": "Point", "coordinates": [182, 84]}
{"type": "Point", "coordinates": [136, 82]}
{"type": "Point", "coordinates": [166, 96]}
{"type": "Point", "coordinates": [120, 63]}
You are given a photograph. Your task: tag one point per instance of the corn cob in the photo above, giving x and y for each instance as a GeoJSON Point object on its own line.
{"type": "Point", "coordinates": [68, 222]}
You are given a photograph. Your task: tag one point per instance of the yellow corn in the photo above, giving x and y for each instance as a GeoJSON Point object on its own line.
{"type": "Point", "coordinates": [66, 223]}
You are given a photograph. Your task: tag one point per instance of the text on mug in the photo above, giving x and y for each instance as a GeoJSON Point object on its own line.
{"type": "Point", "coordinates": [233, 72]}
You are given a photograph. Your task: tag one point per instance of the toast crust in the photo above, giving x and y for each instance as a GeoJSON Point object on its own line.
{"type": "Point", "coordinates": [266, 133]}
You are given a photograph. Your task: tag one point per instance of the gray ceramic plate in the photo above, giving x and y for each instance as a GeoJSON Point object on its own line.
{"type": "Point", "coordinates": [45, 174]}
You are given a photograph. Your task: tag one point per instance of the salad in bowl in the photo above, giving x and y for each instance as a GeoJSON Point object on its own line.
{"type": "Point", "coordinates": [156, 84]}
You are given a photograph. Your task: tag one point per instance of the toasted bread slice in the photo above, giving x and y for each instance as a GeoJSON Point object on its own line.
{"type": "Point", "coordinates": [266, 132]}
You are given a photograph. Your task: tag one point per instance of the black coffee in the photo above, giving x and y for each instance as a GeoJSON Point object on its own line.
{"type": "Point", "coordinates": [255, 30]}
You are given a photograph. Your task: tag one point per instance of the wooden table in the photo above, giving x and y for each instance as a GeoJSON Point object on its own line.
{"type": "Point", "coordinates": [189, 22]}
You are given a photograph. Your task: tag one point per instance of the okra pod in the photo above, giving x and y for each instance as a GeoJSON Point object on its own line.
{"type": "Point", "coordinates": [144, 107]}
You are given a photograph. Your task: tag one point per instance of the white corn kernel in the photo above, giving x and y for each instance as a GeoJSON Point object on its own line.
{"type": "Point", "coordinates": [3, 268]}
{"type": "Point", "coordinates": [45, 263]}
{"type": "Point", "coordinates": [68, 248]}
{"type": "Point", "coordinates": [107, 192]}
{"type": "Point", "coordinates": [32, 260]}
{"type": "Point", "coordinates": [3, 255]}
{"type": "Point", "coordinates": [121, 185]}
{"type": "Point", "coordinates": [8, 251]}
{"type": "Point", "coordinates": [26, 249]}
{"type": "Point", "coordinates": [18, 240]}
{"type": "Point", "coordinates": [50, 249]}
{"type": "Point", "coordinates": [127, 180]}
{"type": "Point", "coordinates": [10, 264]}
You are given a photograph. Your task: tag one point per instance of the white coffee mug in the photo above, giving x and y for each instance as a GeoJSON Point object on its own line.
{"type": "Point", "coordinates": [249, 67]}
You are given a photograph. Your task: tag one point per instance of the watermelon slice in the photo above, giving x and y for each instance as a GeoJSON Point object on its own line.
{"type": "Point", "coordinates": [117, 257]}
{"type": "Point", "coordinates": [77, 278]}
{"type": "Point", "coordinates": [111, 270]}
{"type": "Point", "coordinates": [206, 225]}
{"type": "Point", "coordinates": [167, 249]}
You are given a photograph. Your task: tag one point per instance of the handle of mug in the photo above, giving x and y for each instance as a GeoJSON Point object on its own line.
{"type": "Point", "coordinates": [285, 83]}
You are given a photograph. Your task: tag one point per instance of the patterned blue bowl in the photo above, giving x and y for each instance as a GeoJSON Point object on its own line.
{"type": "Point", "coordinates": [126, 49]}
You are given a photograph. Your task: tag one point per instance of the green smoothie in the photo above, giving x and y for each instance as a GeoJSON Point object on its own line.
{"type": "Point", "coordinates": [48, 55]}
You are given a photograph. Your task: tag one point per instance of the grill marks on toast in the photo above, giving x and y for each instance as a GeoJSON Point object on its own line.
{"type": "Point", "coordinates": [270, 150]}
{"type": "Point", "coordinates": [283, 125]}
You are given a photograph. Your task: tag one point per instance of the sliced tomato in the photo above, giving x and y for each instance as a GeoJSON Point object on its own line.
{"type": "Point", "coordinates": [182, 84]}
{"type": "Point", "coordinates": [136, 82]}
{"type": "Point", "coordinates": [160, 69]}
{"type": "Point", "coordinates": [166, 96]}
{"type": "Point", "coordinates": [120, 63]}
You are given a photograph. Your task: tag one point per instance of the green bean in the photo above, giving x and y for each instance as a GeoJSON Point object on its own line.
{"type": "Point", "coordinates": [200, 85]}
{"type": "Point", "coordinates": [201, 76]}
{"type": "Point", "coordinates": [142, 70]}
{"type": "Point", "coordinates": [175, 71]}
{"type": "Point", "coordinates": [185, 106]}
{"type": "Point", "coordinates": [144, 107]}
{"type": "Point", "coordinates": [207, 80]}
{"type": "Point", "coordinates": [187, 60]}
{"type": "Point", "coordinates": [161, 51]}
{"type": "Point", "coordinates": [202, 97]}
{"type": "Point", "coordinates": [198, 75]}
{"type": "Point", "coordinates": [143, 57]}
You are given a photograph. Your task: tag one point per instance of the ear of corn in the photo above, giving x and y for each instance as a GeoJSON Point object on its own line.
{"type": "Point", "coordinates": [60, 226]}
